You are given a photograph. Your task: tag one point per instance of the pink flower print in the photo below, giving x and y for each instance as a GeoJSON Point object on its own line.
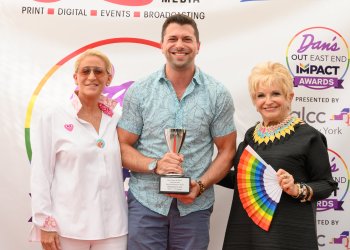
{"type": "Point", "coordinates": [50, 224]}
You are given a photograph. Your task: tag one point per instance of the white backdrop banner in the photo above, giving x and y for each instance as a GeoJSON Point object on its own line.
{"type": "Point", "coordinates": [40, 40]}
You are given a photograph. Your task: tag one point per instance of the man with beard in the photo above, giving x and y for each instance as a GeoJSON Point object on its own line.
{"type": "Point", "coordinates": [179, 96]}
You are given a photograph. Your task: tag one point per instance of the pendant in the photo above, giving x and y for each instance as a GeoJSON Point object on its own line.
{"type": "Point", "coordinates": [100, 143]}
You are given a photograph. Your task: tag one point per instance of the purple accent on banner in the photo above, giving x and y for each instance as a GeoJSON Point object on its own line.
{"type": "Point", "coordinates": [339, 84]}
{"type": "Point", "coordinates": [331, 204]}
{"type": "Point", "coordinates": [321, 82]}
{"type": "Point", "coordinates": [126, 173]}
{"type": "Point", "coordinates": [339, 240]}
{"type": "Point", "coordinates": [113, 90]}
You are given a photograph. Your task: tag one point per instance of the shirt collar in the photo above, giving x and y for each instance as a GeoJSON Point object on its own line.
{"type": "Point", "coordinates": [196, 77]}
{"type": "Point", "coordinates": [105, 104]}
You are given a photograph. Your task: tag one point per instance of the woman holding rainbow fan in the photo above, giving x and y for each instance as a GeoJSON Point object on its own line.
{"type": "Point", "coordinates": [281, 169]}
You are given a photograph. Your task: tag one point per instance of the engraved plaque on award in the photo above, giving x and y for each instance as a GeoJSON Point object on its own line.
{"type": "Point", "coordinates": [174, 183]}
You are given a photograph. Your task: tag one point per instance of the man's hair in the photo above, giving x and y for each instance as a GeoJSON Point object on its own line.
{"type": "Point", "coordinates": [181, 20]}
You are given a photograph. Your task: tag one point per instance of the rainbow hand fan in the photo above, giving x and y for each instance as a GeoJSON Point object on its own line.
{"type": "Point", "coordinates": [258, 187]}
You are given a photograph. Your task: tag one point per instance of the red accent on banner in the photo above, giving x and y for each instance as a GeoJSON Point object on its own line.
{"type": "Point", "coordinates": [131, 2]}
{"type": "Point", "coordinates": [137, 14]}
{"type": "Point", "coordinates": [109, 41]}
{"type": "Point", "coordinates": [47, 1]}
{"type": "Point", "coordinates": [93, 13]}
{"type": "Point", "coordinates": [50, 11]}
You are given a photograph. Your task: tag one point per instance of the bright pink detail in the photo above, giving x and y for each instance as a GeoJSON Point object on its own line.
{"type": "Point", "coordinates": [69, 127]}
{"type": "Point", "coordinates": [130, 2]}
{"type": "Point", "coordinates": [106, 42]}
{"type": "Point", "coordinates": [105, 109]}
{"type": "Point", "coordinates": [107, 105]}
{"type": "Point", "coordinates": [50, 224]}
{"type": "Point", "coordinates": [46, 1]}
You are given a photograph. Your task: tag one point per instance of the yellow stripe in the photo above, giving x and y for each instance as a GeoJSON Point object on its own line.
{"type": "Point", "coordinates": [35, 95]}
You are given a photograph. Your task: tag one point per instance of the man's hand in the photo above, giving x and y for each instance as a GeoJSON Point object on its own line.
{"type": "Point", "coordinates": [188, 198]}
{"type": "Point", "coordinates": [170, 164]}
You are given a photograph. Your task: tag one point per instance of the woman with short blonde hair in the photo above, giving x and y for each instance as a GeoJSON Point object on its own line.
{"type": "Point", "coordinates": [298, 154]}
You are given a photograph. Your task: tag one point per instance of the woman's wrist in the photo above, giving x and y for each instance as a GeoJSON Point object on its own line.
{"type": "Point", "coordinates": [49, 224]}
{"type": "Point", "coordinates": [303, 192]}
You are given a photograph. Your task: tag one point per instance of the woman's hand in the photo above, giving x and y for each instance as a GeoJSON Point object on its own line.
{"type": "Point", "coordinates": [50, 240]}
{"type": "Point", "coordinates": [286, 181]}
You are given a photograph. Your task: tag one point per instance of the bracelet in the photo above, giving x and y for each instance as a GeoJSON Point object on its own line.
{"type": "Point", "coordinates": [201, 187]}
{"type": "Point", "coordinates": [308, 193]}
{"type": "Point", "coordinates": [311, 192]}
{"type": "Point", "coordinates": [299, 191]}
{"type": "Point", "coordinates": [304, 192]}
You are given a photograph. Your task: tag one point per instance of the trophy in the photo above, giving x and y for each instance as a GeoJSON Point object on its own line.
{"type": "Point", "coordinates": [173, 183]}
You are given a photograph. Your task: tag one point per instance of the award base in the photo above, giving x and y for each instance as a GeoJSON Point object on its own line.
{"type": "Point", "coordinates": [174, 184]}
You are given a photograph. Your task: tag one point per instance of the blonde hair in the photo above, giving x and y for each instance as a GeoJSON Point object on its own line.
{"type": "Point", "coordinates": [94, 52]}
{"type": "Point", "coordinates": [267, 74]}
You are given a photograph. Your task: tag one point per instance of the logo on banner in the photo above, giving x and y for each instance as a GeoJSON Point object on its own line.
{"type": "Point", "coordinates": [343, 239]}
{"type": "Point", "coordinates": [343, 116]}
{"type": "Point", "coordinates": [318, 58]}
{"type": "Point", "coordinates": [310, 116]}
{"type": "Point", "coordinates": [340, 174]}
{"type": "Point", "coordinates": [120, 2]}
{"type": "Point", "coordinates": [330, 123]}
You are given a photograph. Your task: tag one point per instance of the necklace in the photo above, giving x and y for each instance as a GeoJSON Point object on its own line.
{"type": "Point", "coordinates": [270, 133]}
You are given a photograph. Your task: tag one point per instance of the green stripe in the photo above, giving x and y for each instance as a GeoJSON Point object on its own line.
{"type": "Point", "coordinates": [28, 146]}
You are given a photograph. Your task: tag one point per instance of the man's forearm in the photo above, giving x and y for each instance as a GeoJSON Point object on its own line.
{"type": "Point", "coordinates": [133, 159]}
{"type": "Point", "coordinates": [222, 163]}
{"type": "Point", "coordinates": [218, 168]}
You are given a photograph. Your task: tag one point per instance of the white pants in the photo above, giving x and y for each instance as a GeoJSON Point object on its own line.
{"type": "Point", "coordinates": [117, 243]}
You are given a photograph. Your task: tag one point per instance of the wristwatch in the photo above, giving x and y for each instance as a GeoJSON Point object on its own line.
{"type": "Point", "coordinates": [153, 166]}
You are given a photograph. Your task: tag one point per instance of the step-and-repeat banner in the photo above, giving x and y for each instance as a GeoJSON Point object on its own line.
{"type": "Point", "coordinates": [40, 40]}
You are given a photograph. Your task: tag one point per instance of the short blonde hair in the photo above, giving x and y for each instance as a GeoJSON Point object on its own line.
{"type": "Point", "coordinates": [94, 52]}
{"type": "Point", "coordinates": [267, 74]}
